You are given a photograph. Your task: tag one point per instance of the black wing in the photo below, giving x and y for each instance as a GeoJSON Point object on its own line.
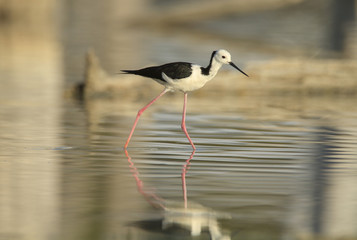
{"type": "Point", "coordinates": [176, 70]}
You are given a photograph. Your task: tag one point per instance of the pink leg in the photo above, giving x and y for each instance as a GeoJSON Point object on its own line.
{"type": "Point", "coordinates": [139, 114]}
{"type": "Point", "coordinates": [183, 124]}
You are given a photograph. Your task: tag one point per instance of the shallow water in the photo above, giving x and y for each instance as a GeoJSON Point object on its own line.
{"type": "Point", "coordinates": [252, 176]}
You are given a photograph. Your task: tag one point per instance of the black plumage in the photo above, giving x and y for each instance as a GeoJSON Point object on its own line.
{"type": "Point", "coordinates": [175, 70]}
{"type": "Point", "coordinates": [205, 71]}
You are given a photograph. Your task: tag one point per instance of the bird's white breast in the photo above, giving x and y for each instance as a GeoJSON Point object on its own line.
{"type": "Point", "coordinates": [195, 81]}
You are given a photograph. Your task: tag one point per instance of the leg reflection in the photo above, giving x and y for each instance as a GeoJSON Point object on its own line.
{"type": "Point", "coordinates": [183, 176]}
{"type": "Point", "coordinates": [149, 196]}
{"type": "Point", "coordinates": [193, 218]}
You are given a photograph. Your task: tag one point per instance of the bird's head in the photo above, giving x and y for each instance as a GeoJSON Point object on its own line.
{"type": "Point", "coordinates": [224, 57]}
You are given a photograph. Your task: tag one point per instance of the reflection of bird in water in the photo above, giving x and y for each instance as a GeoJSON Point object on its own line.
{"type": "Point", "coordinates": [194, 220]}
{"type": "Point", "coordinates": [189, 216]}
{"type": "Point", "coordinates": [182, 76]}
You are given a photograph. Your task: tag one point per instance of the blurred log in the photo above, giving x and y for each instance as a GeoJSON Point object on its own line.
{"type": "Point", "coordinates": [276, 77]}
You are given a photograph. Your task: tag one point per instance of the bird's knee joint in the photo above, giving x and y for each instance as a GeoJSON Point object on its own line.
{"type": "Point", "coordinates": [140, 112]}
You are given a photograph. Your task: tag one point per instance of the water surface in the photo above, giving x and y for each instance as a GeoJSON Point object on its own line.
{"type": "Point", "coordinates": [254, 176]}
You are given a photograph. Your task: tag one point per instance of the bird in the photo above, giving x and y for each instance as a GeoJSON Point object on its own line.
{"type": "Point", "coordinates": [184, 77]}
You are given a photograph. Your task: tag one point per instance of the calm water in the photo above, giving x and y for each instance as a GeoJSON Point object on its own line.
{"type": "Point", "coordinates": [258, 173]}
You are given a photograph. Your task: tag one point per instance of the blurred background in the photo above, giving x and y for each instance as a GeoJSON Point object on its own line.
{"type": "Point", "coordinates": [277, 151]}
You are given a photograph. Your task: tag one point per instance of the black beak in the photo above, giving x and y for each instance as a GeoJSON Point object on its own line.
{"type": "Point", "coordinates": [233, 65]}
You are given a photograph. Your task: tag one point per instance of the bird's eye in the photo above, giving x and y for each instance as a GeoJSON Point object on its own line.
{"type": "Point", "coordinates": [223, 56]}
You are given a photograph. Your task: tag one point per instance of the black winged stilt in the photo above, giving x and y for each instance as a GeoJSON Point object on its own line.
{"type": "Point", "coordinates": [182, 76]}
